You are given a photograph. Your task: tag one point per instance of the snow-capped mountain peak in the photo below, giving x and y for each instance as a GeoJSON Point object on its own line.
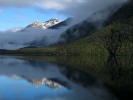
{"type": "Point", "coordinates": [37, 24]}
{"type": "Point", "coordinates": [45, 25]}
{"type": "Point", "coordinates": [52, 22]}
{"type": "Point", "coordinates": [14, 29]}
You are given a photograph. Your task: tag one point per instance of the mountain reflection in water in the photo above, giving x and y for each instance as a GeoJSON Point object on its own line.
{"type": "Point", "coordinates": [23, 79]}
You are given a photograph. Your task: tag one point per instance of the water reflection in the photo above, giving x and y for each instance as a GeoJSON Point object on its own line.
{"type": "Point", "coordinates": [14, 88]}
{"type": "Point", "coordinates": [115, 71]}
{"type": "Point", "coordinates": [22, 79]}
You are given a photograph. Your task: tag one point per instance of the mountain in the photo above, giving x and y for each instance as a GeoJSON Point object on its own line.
{"type": "Point", "coordinates": [95, 22]}
{"type": "Point", "coordinates": [124, 13]}
{"type": "Point", "coordinates": [44, 25]}
{"type": "Point", "coordinates": [53, 23]}
{"type": "Point", "coordinates": [61, 24]}
{"type": "Point", "coordinates": [14, 29]}
{"type": "Point", "coordinates": [37, 24]}
{"type": "Point", "coordinates": [114, 39]}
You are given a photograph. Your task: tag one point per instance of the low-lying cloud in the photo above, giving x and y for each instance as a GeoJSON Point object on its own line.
{"type": "Point", "coordinates": [28, 37]}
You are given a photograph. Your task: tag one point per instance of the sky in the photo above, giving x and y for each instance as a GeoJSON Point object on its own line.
{"type": "Point", "coordinates": [20, 13]}
{"type": "Point", "coordinates": [14, 17]}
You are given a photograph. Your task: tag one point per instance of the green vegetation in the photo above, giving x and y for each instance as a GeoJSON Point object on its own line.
{"type": "Point", "coordinates": [30, 51]}
{"type": "Point", "coordinates": [115, 39]}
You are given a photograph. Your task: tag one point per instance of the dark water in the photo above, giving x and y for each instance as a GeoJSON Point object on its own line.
{"type": "Point", "coordinates": [47, 79]}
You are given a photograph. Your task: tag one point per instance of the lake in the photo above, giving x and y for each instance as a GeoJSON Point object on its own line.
{"type": "Point", "coordinates": [65, 78]}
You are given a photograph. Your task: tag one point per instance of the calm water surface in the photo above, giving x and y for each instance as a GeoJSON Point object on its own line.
{"type": "Point", "coordinates": [34, 80]}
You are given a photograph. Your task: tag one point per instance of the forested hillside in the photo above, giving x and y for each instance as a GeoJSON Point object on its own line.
{"type": "Point", "coordinates": [114, 39]}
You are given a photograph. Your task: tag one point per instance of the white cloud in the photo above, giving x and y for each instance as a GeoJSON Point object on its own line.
{"type": "Point", "coordinates": [53, 5]}
{"type": "Point", "coordinates": [24, 3]}
{"type": "Point", "coordinates": [77, 8]}
{"type": "Point", "coordinates": [64, 6]}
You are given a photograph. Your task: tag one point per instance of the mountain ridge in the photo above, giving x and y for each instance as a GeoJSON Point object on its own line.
{"type": "Point", "coordinates": [42, 25]}
{"type": "Point", "coordinates": [14, 29]}
{"type": "Point", "coordinates": [114, 39]}
{"type": "Point", "coordinates": [93, 23]}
